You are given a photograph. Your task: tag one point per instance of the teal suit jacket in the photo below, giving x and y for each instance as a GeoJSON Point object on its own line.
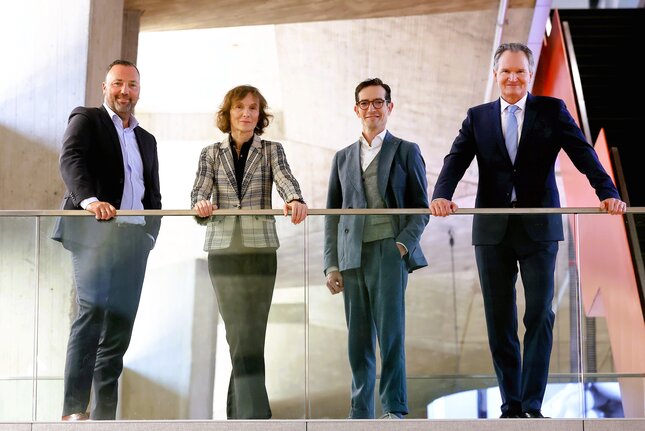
{"type": "Point", "coordinates": [402, 183]}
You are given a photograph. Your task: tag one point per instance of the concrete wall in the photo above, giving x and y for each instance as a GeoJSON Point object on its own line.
{"type": "Point", "coordinates": [437, 65]}
{"type": "Point", "coordinates": [54, 60]}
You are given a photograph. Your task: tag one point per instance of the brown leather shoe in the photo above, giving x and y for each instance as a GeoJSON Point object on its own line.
{"type": "Point", "coordinates": [76, 417]}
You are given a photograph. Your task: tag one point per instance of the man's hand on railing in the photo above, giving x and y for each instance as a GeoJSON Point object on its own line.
{"type": "Point", "coordinates": [613, 206]}
{"type": "Point", "coordinates": [441, 207]}
{"type": "Point", "coordinates": [102, 210]}
{"type": "Point", "coordinates": [335, 282]}
{"type": "Point", "coordinates": [204, 208]}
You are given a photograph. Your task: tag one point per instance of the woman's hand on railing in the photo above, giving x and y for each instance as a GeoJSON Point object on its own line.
{"type": "Point", "coordinates": [204, 208]}
{"type": "Point", "coordinates": [298, 211]}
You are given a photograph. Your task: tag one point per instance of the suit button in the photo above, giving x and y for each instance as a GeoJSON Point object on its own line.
{"type": "Point", "coordinates": [346, 230]}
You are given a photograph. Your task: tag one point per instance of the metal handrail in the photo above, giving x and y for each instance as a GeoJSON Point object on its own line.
{"type": "Point", "coordinates": [321, 211]}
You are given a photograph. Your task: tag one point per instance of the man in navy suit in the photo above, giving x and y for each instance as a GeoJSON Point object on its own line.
{"type": "Point", "coordinates": [108, 162]}
{"type": "Point", "coordinates": [519, 174]}
{"type": "Point", "coordinates": [368, 258]}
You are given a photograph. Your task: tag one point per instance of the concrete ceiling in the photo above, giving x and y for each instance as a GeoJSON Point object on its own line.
{"type": "Point", "coordinates": [160, 15]}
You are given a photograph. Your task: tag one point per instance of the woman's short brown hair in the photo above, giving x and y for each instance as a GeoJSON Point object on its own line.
{"type": "Point", "coordinates": [223, 118]}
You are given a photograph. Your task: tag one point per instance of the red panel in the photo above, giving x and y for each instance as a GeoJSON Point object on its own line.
{"type": "Point", "coordinates": [607, 276]}
{"type": "Point", "coordinates": [552, 76]}
{"type": "Point", "coordinates": [606, 270]}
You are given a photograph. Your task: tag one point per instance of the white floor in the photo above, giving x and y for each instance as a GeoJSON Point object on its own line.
{"type": "Point", "coordinates": [341, 425]}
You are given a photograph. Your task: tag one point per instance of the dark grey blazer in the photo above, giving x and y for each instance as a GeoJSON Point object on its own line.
{"type": "Point", "coordinates": [91, 164]}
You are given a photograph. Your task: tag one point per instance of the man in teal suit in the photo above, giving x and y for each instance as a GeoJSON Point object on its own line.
{"type": "Point", "coordinates": [368, 258]}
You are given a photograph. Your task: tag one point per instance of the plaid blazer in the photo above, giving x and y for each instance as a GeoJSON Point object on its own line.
{"type": "Point", "coordinates": [215, 179]}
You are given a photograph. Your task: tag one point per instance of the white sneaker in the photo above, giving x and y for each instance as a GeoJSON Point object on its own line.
{"type": "Point", "coordinates": [389, 415]}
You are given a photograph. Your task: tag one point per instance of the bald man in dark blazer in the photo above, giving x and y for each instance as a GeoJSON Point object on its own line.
{"type": "Point", "coordinates": [108, 162]}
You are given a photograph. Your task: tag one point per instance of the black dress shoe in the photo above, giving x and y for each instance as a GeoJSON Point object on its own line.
{"type": "Point", "coordinates": [536, 414]}
{"type": "Point", "coordinates": [76, 417]}
{"type": "Point", "coordinates": [512, 415]}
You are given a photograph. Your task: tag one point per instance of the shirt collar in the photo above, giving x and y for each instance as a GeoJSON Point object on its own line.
{"type": "Point", "coordinates": [117, 120]}
{"type": "Point", "coordinates": [377, 142]}
{"type": "Point", "coordinates": [247, 144]}
{"type": "Point", "coordinates": [520, 103]}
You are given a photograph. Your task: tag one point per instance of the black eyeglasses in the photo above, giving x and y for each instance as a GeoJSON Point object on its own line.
{"type": "Point", "coordinates": [376, 103]}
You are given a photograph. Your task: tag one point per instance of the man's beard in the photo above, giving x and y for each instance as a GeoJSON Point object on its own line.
{"type": "Point", "coordinates": [122, 109]}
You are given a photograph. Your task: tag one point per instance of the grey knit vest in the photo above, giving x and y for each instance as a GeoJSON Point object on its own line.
{"type": "Point", "coordinates": [376, 226]}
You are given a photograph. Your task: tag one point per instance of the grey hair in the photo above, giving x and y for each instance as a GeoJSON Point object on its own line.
{"type": "Point", "coordinates": [514, 47]}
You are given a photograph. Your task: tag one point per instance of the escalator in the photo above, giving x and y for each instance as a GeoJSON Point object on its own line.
{"type": "Point", "coordinates": [608, 44]}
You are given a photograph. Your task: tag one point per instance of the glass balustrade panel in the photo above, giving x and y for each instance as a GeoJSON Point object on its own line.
{"type": "Point", "coordinates": [178, 362]}
{"type": "Point", "coordinates": [18, 296]}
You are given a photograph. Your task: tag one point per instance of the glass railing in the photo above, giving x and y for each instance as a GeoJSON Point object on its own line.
{"type": "Point", "coordinates": [178, 366]}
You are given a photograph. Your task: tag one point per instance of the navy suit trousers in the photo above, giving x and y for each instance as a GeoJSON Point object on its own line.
{"type": "Point", "coordinates": [522, 382]}
{"type": "Point", "coordinates": [108, 279]}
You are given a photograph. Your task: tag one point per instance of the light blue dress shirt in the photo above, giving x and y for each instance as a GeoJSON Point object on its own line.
{"type": "Point", "coordinates": [133, 185]}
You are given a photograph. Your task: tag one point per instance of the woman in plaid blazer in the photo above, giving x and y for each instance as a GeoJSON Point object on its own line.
{"type": "Point", "coordinates": [239, 172]}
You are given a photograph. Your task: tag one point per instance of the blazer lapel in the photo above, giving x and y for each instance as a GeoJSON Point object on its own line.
{"type": "Point", "coordinates": [495, 117]}
{"type": "Point", "coordinates": [114, 138]}
{"type": "Point", "coordinates": [252, 162]}
{"type": "Point", "coordinates": [353, 171]}
{"type": "Point", "coordinates": [226, 161]}
{"type": "Point", "coordinates": [386, 156]}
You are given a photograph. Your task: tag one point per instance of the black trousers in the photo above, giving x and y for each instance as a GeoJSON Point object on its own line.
{"type": "Point", "coordinates": [108, 282]}
{"type": "Point", "coordinates": [243, 279]}
{"type": "Point", "coordinates": [523, 377]}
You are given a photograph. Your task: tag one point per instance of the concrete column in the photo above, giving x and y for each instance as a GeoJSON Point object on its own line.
{"type": "Point", "coordinates": [104, 46]}
{"type": "Point", "coordinates": [169, 369]}
{"type": "Point", "coordinates": [130, 41]}
{"type": "Point", "coordinates": [54, 60]}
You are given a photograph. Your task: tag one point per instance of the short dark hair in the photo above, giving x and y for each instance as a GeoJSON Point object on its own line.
{"type": "Point", "coordinates": [223, 117]}
{"type": "Point", "coordinates": [370, 82]}
{"type": "Point", "coordinates": [514, 47]}
{"type": "Point", "coordinates": [120, 62]}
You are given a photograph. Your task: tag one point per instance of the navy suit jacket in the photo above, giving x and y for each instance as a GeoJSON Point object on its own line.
{"type": "Point", "coordinates": [402, 183]}
{"type": "Point", "coordinates": [548, 127]}
{"type": "Point", "coordinates": [91, 164]}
